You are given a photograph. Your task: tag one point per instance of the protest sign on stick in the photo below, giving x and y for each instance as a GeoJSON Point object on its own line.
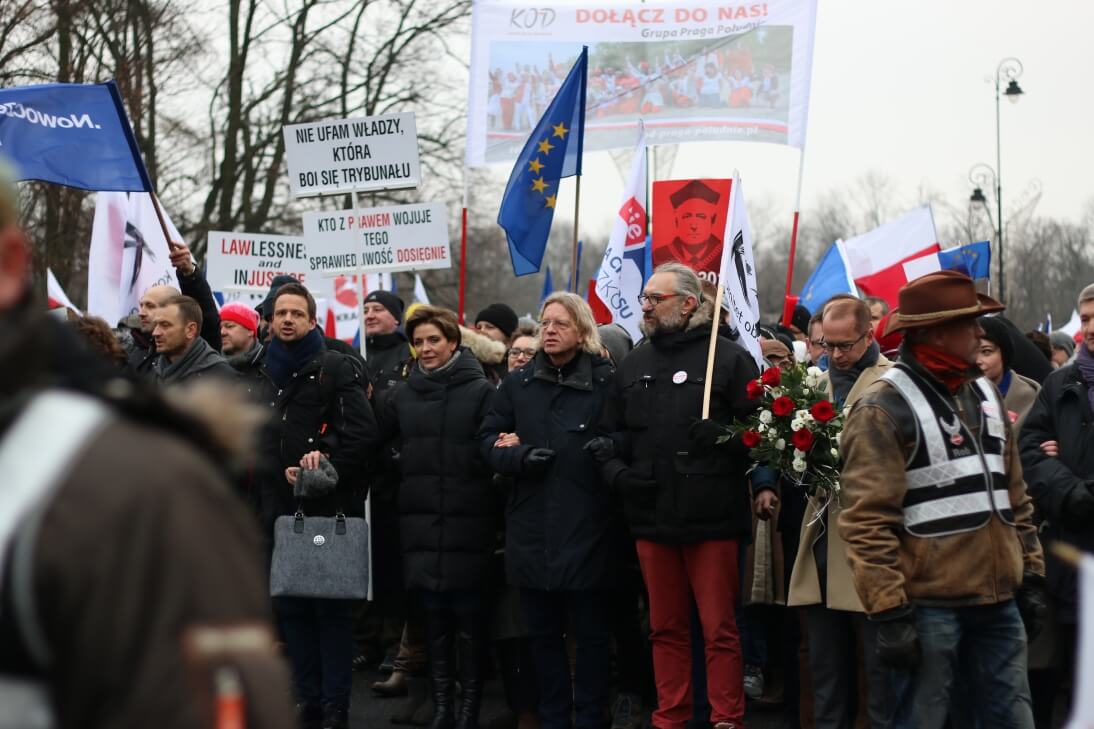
{"type": "Point", "coordinates": [347, 155]}
{"type": "Point", "coordinates": [251, 261]}
{"type": "Point", "coordinates": [393, 238]}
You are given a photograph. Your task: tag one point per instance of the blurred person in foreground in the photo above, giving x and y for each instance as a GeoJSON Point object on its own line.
{"type": "Point", "coordinates": [144, 566]}
{"type": "Point", "coordinates": [938, 523]}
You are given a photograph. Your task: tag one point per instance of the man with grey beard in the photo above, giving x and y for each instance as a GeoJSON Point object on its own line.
{"type": "Point", "coordinates": [686, 496]}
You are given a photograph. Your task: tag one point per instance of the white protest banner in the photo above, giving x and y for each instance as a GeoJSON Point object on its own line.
{"type": "Point", "coordinates": [693, 70]}
{"type": "Point", "coordinates": [250, 261]}
{"type": "Point", "coordinates": [341, 155]}
{"type": "Point", "coordinates": [392, 238]}
{"type": "Point", "coordinates": [738, 275]}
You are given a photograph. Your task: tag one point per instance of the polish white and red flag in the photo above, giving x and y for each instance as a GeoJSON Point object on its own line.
{"type": "Point", "coordinates": [56, 295]}
{"type": "Point", "coordinates": [876, 259]}
{"type": "Point", "coordinates": [623, 271]}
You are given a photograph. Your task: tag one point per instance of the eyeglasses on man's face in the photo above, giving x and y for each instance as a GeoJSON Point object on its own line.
{"type": "Point", "coordinates": [516, 352]}
{"type": "Point", "coordinates": [559, 324]}
{"type": "Point", "coordinates": [843, 346]}
{"type": "Point", "coordinates": [654, 299]}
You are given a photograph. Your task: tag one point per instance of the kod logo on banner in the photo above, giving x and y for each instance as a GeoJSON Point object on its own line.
{"type": "Point", "coordinates": [532, 18]}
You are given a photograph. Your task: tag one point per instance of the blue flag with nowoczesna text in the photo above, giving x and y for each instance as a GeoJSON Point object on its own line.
{"type": "Point", "coordinates": [71, 134]}
{"type": "Point", "coordinates": [553, 151]}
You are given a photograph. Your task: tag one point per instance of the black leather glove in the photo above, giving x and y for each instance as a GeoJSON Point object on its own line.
{"type": "Point", "coordinates": [601, 448]}
{"type": "Point", "coordinates": [1032, 602]}
{"type": "Point", "coordinates": [1078, 509]}
{"type": "Point", "coordinates": [897, 643]}
{"type": "Point", "coordinates": [630, 479]}
{"type": "Point", "coordinates": [705, 433]}
{"type": "Point", "coordinates": [538, 460]}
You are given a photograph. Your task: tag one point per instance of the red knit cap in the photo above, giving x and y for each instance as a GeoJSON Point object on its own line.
{"type": "Point", "coordinates": [241, 314]}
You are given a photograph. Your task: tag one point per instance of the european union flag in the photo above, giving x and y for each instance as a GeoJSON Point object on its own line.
{"type": "Point", "coordinates": [553, 151]}
{"type": "Point", "coordinates": [71, 134]}
{"type": "Point", "coordinates": [974, 260]}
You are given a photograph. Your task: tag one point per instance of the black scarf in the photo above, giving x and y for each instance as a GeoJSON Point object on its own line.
{"type": "Point", "coordinates": [844, 380]}
{"type": "Point", "coordinates": [285, 358]}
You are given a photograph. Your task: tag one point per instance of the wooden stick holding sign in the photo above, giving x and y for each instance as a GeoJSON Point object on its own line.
{"type": "Point", "coordinates": [709, 379]}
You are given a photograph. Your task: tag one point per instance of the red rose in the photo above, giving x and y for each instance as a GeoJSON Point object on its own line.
{"type": "Point", "coordinates": [802, 439]}
{"type": "Point", "coordinates": [751, 438]}
{"type": "Point", "coordinates": [754, 390]}
{"type": "Point", "coordinates": [771, 377]}
{"type": "Point", "coordinates": [822, 411]}
{"type": "Point", "coordinates": [782, 406]}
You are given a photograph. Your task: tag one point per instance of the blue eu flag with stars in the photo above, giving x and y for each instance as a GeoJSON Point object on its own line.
{"type": "Point", "coordinates": [553, 151]}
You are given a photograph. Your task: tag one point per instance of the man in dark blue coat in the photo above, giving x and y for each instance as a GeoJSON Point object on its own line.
{"type": "Point", "coordinates": [560, 543]}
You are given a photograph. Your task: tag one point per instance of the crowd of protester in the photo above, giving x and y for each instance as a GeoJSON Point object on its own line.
{"type": "Point", "coordinates": [548, 505]}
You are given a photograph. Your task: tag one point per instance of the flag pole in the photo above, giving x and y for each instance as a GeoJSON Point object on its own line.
{"type": "Point", "coordinates": [463, 249]}
{"type": "Point", "coordinates": [793, 237]}
{"type": "Point", "coordinates": [708, 380]}
{"type": "Point", "coordinates": [163, 221]}
{"type": "Point", "coordinates": [577, 206]}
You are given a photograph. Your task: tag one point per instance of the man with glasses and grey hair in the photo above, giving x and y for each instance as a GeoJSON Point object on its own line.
{"type": "Point", "coordinates": [821, 579]}
{"type": "Point", "coordinates": [685, 494]}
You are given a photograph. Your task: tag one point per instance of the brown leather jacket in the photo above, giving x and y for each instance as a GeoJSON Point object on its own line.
{"type": "Point", "coordinates": [891, 567]}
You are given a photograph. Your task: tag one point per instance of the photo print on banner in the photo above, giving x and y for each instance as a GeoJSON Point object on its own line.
{"type": "Point", "coordinates": [689, 220]}
{"type": "Point", "coordinates": [692, 71]}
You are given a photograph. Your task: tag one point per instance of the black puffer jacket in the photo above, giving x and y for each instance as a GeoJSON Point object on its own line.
{"type": "Point", "coordinates": [700, 494]}
{"type": "Point", "coordinates": [1060, 413]}
{"type": "Point", "coordinates": [559, 525]}
{"type": "Point", "coordinates": [322, 408]}
{"type": "Point", "coordinates": [447, 514]}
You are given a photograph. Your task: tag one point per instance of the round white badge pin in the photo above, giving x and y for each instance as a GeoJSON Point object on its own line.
{"type": "Point", "coordinates": [680, 377]}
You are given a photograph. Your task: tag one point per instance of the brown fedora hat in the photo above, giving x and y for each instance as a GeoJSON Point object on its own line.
{"type": "Point", "coordinates": [937, 298]}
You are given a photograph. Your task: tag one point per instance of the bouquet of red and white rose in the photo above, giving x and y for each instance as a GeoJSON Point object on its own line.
{"type": "Point", "coordinates": [796, 429]}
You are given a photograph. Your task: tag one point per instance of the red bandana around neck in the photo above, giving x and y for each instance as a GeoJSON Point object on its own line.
{"type": "Point", "coordinates": [951, 371]}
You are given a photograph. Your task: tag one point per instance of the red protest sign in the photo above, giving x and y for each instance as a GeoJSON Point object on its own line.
{"type": "Point", "coordinates": [689, 219]}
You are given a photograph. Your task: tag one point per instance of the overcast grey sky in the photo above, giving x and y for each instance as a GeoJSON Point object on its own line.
{"type": "Point", "coordinates": [899, 88]}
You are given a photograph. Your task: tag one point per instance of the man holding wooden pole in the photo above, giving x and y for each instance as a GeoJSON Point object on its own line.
{"type": "Point", "coordinates": [686, 496]}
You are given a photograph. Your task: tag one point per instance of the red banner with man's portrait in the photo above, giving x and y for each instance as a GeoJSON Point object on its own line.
{"type": "Point", "coordinates": [689, 220]}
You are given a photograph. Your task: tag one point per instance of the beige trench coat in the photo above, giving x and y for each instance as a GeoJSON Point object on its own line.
{"type": "Point", "coordinates": [804, 581]}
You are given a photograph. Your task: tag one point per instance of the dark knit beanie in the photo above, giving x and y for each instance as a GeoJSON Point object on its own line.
{"type": "Point", "coordinates": [997, 333]}
{"type": "Point", "coordinates": [500, 316]}
{"type": "Point", "coordinates": [265, 309]}
{"type": "Point", "coordinates": [389, 301]}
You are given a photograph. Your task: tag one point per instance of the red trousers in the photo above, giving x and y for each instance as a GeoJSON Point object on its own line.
{"type": "Point", "coordinates": [673, 573]}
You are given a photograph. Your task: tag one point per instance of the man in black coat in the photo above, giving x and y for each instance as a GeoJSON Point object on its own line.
{"type": "Point", "coordinates": [386, 348]}
{"type": "Point", "coordinates": [319, 413]}
{"type": "Point", "coordinates": [1057, 449]}
{"type": "Point", "coordinates": [560, 544]}
{"type": "Point", "coordinates": [686, 497]}
{"type": "Point", "coordinates": [192, 283]}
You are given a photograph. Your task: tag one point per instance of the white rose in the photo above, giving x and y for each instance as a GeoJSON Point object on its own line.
{"type": "Point", "coordinates": [765, 417]}
{"type": "Point", "coordinates": [780, 444]}
{"type": "Point", "coordinates": [777, 392]}
{"type": "Point", "coordinates": [799, 466]}
{"type": "Point", "coordinates": [811, 381]}
{"type": "Point", "coordinates": [839, 436]}
{"type": "Point", "coordinates": [796, 425]}
{"type": "Point", "coordinates": [802, 415]}
{"type": "Point", "coordinates": [835, 453]}
{"type": "Point", "coordinates": [814, 372]}
{"type": "Point", "coordinates": [798, 455]}
{"type": "Point", "coordinates": [761, 428]}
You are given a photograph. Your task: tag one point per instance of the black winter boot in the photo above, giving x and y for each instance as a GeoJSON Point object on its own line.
{"type": "Point", "coordinates": [439, 639]}
{"type": "Point", "coordinates": [309, 716]}
{"type": "Point", "coordinates": [472, 645]}
{"type": "Point", "coordinates": [335, 717]}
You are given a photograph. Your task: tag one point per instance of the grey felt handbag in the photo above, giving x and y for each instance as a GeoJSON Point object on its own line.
{"type": "Point", "coordinates": [320, 556]}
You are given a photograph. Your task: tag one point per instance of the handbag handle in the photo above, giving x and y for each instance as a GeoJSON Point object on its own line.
{"type": "Point", "coordinates": [298, 522]}
{"type": "Point", "coordinates": [340, 523]}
